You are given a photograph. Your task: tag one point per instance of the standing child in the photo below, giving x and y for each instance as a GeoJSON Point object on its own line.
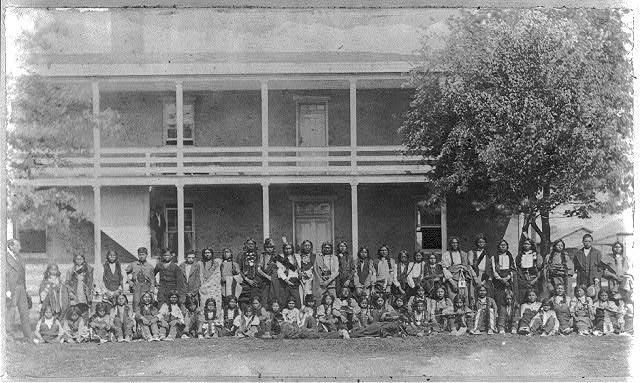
{"type": "Point", "coordinates": [508, 313]}
{"type": "Point", "coordinates": [170, 317]}
{"type": "Point", "coordinates": [460, 317]}
{"type": "Point", "coordinates": [230, 272]}
{"type": "Point", "coordinates": [246, 325]}
{"type": "Point", "coordinates": [545, 322]}
{"type": "Point", "coordinates": [582, 311]}
{"type": "Point", "coordinates": [53, 293]}
{"type": "Point", "coordinates": [607, 314]}
{"type": "Point", "coordinates": [229, 315]}
{"type": "Point", "coordinates": [210, 322]}
{"type": "Point", "coordinates": [73, 327]}
{"type": "Point", "coordinates": [147, 317]}
{"type": "Point", "coordinates": [122, 319]}
{"type": "Point", "coordinates": [100, 326]}
{"type": "Point", "coordinates": [485, 309]}
{"type": "Point", "coordinates": [112, 279]}
{"type": "Point", "coordinates": [193, 319]}
{"type": "Point", "coordinates": [48, 328]}
{"type": "Point", "coordinates": [528, 311]}
{"type": "Point", "coordinates": [561, 303]}
{"type": "Point", "coordinates": [416, 273]}
{"type": "Point", "coordinates": [291, 314]}
{"type": "Point", "coordinates": [140, 276]}
{"type": "Point", "coordinates": [170, 279]}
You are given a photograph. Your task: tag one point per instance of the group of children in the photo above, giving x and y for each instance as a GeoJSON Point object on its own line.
{"type": "Point", "coordinates": [347, 316]}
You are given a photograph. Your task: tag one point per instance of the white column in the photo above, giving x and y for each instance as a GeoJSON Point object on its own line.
{"type": "Point", "coordinates": [180, 251]}
{"type": "Point", "coordinates": [354, 218]}
{"type": "Point", "coordinates": [95, 100]}
{"type": "Point", "coordinates": [179, 125]}
{"type": "Point", "coordinates": [443, 225]}
{"type": "Point", "coordinates": [265, 211]}
{"type": "Point", "coordinates": [353, 125]}
{"type": "Point", "coordinates": [97, 234]}
{"type": "Point", "coordinates": [264, 97]}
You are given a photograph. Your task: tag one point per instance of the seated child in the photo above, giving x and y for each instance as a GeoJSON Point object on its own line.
{"type": "Point", "coordinates": [348, 308]}
{"type": "Point", "coordinates": [230, 273]}
{"type": "Point", "coordinates": [210, 322]}
{"type": "Point", "coordinates": [560, 304]}
{"type": "Point", "coordinates": [192, 319]}
{"type": "Point", "coordinates": [528, 310]}
{"type": "Point", "coordinates": [146, 315]}
{"type": "Point", "coordinates": [401, 309]}
{"type": "Point", "coordinates": [291, 314]}
{"type": "Point", "coordinates": [291, 331]}
{"type": "Point", "coordinates": [100, 326]}
{"type": "Point", "coordinates": [73, 327]}
{"type": "Point", "coordinates": [607, 314]}
{"type": "Point", "coordinates": [485, 310]}
{"type": "Point", "coordinates": [328, 314]}
{"type": "Point", "coordinates": [420, 294]}
{"type": "Point", "coordinates": [122, 319]}
{"type": "Point", "coordinates": [247, 325]}
{"type": "Point", "coordinates": [545, 322]}
{"type": "Point", "coordinates": [270, 326]}
{"type": "Point", "coordinates": [363, 318]}
{"type": "Point", "coordinates": [508, 314]}
{"type": "Point", "coordinates": [460, 316]}
{"type": "Point", "coordinates": [48, 328]}
{"type": "Point", "coordinates": [421, 321]}
{"type": "Point", "coordinates": [171, 319]}
{"type": "Point", "coordinates": [385, 321]}
{"type": "Point", "coordinates": [308, 314]}
{"type": "Point", "coordinates": [582, 312]}
{"type": "Point", "coordinates": [440, 307]}
{"type": "Point", "coordinates": [229, 315]}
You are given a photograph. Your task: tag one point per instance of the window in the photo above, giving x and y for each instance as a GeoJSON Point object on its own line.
{"type": "Point", "coordinates": [33, 241]}
{"type": "Point", "coordinates": [171, 217]}
{"type": "Point", "coordinates": [169, 122]}
{"type": "Point", "coordinates": [429, 227]}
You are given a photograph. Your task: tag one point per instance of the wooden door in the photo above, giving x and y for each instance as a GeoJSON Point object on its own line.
{"type": "Point", "coordinates": [313, 221]}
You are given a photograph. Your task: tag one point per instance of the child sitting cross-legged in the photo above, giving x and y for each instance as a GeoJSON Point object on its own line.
{"type": "Point", "coordinates": [73, 327]}
{"type": "Point", "coordinates": [100, 326]}
{"type": "Point", "coordinates": [561, 304]}
{"type": "Point", "coordinates": [607, 314]}
{"type": "Point", "coordinates": [528, 310]}
{"type": "Point", "coordinates": [193, 318]}
{"type": "Point", "coordinates": [230, 314]}
{"type": "Point", "coordinates": [545, 322]}
{"type": "Point", "coordinates": [460, 316]}
{"type": "Point", "coordinates": [48, 328]}
{"type": "Point", "coordinates": [421, 321]}
{"type": "Point", "coordinates": [508, 313]}
{"type": "Point", "coordinates": [246, 325]}
{"type": "Point", "coordinates": [291, 314]}
{"type": "Point", "coordinates": [210, 321]}
{"type": "Point", "coordinates": [485, 309]}
{"type": "Point", "coordinates": [171, 319]}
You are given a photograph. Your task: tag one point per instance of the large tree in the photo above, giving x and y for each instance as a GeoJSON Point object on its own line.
{"type": "Point", "coordinates": [526, 111]}
{"type": "Point", "coordinates": [49, 123]}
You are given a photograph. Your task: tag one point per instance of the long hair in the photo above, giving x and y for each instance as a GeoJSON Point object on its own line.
{"type": "Point", "coordinates": [621, 247]}
{"type": "Point", "coordinates": [206, 310]}
{"type": "Point", "coordinates": [451, 239]}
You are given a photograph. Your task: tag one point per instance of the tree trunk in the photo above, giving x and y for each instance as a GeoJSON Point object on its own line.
{"type": "Point", "coordinates": [545, 244]}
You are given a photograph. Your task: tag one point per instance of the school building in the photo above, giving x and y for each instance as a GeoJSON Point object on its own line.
{"type": "Point", "coordinates": [245, 123]}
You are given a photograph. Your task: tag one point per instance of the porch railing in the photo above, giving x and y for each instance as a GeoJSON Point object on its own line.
{"type": "Point", "coordinates": [248, 160]}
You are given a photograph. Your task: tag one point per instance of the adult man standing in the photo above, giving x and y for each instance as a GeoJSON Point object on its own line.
{"type": "Point", "coordinates": [325, 271]}
{"type": "Point", "coordinates": [16, 287]}
{"type": "Point", "coordinates": [191, 273]}
{"type": "Point", "coordinates": [587, 263]}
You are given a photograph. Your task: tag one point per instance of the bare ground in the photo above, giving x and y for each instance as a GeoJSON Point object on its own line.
{"type": "Point", "coordinates": [440, 357]}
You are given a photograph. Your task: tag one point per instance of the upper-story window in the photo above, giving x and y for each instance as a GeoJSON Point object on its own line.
{"type": "Point", "coordinates": [170, 122]}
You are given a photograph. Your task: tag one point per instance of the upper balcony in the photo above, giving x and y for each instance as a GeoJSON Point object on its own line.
{"type": "Point", "coordinates": [247, 130]}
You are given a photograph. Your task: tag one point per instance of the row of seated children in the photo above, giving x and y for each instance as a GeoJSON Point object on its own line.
{"type": "Point", "coordinates": [345, 317]}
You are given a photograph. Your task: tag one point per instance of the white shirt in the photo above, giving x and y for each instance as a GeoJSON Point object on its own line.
{"type": "Point", "coordinates": [187, 270]}
{"type": "Point", "coordinates": [503, 261]}
{"type": "Point", "coordinates": [586, 252]}
{"type": "Point", "coordinates": [527, 259]}
{"type": "Point", "coordinates": [112, 266]}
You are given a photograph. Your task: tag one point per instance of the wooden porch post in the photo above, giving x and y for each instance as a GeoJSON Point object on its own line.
{"type": "Point", "coordinates": [265, 210]}
{"type": "Point", "coordinates": [264, 97]}
{"type": "Point", "coordinates": [354, 218]}
{"type": "Point", "coordinates": [97, 233]}
{"type": "Point", "coordinates": [353, 125]}
{"type": "Point", "coordinates": [180, 251]}
{"type": "Point", "coordinates": [179, 127]}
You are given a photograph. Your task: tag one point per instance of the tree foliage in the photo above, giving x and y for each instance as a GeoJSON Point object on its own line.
{"type": "Point", "coordinates": [528, 110]}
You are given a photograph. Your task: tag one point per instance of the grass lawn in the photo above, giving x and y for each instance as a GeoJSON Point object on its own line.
{"type": "Point", "coordinates": [442, 356]}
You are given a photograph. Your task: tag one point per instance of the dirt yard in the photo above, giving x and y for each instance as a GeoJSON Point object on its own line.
{"type": "Point", "coordinates": [444, 356]}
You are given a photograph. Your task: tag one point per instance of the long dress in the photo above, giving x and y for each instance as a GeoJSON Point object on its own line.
{"type": "Point", "coordinates": [53, 293]}
{"type": "Point", "coordinates": [210, 279]}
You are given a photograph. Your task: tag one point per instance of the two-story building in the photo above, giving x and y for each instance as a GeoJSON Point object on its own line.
{"type": "Point", "coordinates": [247, 123]}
